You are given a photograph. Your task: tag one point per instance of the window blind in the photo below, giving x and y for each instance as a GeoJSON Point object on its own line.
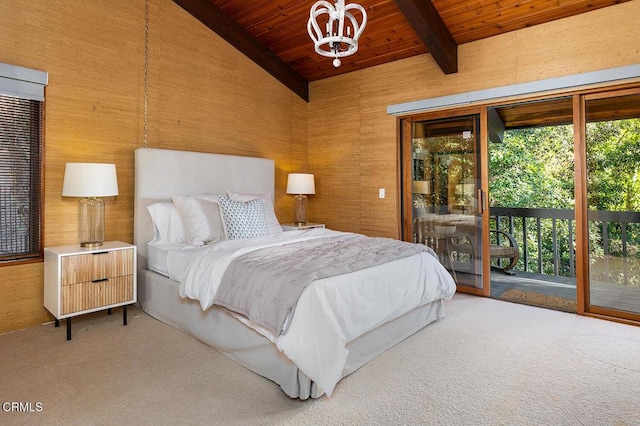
{"type": "Point", "coordinates": [20, 178]}
{"type": "Point", "coordinates": [21, 82]}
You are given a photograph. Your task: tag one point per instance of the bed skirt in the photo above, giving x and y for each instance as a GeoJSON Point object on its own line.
{"type": "Point", "coordinates": [158, 296]}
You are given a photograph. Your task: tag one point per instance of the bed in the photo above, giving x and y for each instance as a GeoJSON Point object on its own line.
{"type": "Point", "coordinates": [335, 327]}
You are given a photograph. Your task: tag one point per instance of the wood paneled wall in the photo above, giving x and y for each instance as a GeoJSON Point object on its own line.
{"type": "Point", "coordinates": [354, 154]}
{"type": "Point", "coordinates": [203, 96]}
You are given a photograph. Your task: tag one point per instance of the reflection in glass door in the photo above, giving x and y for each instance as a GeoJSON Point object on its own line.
{"type": "Point", "coordinates": [445, 179]}
{"type": "Point", "coordinates": [613, 198]}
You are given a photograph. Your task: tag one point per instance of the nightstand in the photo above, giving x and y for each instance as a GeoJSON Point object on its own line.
{"type": "Point", "coordinates": [294, 227]}
{"type": "Point", "coordinates": [79, 280]}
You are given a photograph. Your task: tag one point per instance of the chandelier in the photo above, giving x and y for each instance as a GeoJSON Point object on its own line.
{"type": "Point", "coordinates": [336, 40]}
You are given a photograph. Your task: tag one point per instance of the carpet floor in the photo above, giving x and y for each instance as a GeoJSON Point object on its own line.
{"type": "Point", "coordinates": [488, 362]}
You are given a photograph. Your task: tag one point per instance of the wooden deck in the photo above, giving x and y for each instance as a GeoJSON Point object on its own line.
{"type": "Point", "coordinates": [535, 283]}
{"type": "Point", "coordinates": [625, 298]}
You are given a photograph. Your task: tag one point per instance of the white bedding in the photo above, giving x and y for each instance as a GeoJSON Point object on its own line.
{"type": "Point", "coordinates": [331, 312]}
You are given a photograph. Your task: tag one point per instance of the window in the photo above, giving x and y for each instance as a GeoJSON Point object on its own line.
{"type": "Point", "coordinates": [21, 113]}
{"type": "Point", "coordinates": [20, 178]}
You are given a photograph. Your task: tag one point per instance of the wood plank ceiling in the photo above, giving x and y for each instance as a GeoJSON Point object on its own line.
{"type": "Point", "coordinates": [273, 33]}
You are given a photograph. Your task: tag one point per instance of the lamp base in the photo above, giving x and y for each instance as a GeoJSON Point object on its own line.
{"type": "Point", "coordinates": [91, 244]}
{"type": "Point", "coordinates": [301, 210]}
{"type": "Point", "coordinates": [91, 222]}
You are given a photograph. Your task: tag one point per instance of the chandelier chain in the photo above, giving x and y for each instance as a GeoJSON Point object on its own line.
{"type": "Point", "coordinates": [146, 72]}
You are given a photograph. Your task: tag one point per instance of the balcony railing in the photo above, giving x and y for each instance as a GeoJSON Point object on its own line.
{"type": "Point", "coordinates": [546, 238]}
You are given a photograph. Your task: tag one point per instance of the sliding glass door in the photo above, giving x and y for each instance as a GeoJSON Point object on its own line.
{"type": "Point", "coordinates": [443, 198]}
{"type": "Point", "coordinates": [612, 135]}
{"type": "Point", "coordinates": [591, 239]}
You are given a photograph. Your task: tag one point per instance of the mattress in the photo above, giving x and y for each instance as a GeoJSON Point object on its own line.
{"type": "Point", "coordinates": [170, 260]}
{"type": "Point", "coordinates": [157, 260]}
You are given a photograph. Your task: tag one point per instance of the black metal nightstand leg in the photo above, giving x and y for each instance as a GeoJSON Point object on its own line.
{"type": "Point", "coordinates": [124, 315]}
{"type": "Point", "coordinates": [57, 322]}
{"type": "Point", "coordinates": [69, 328]}
{"type": "Point", "coordinates": [109, 311]}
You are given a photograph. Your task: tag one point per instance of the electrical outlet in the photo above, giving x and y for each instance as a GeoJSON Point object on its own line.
{"type": "Point", "coordinates": [381, 193]}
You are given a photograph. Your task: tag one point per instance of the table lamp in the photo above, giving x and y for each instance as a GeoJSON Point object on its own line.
{"type": "Point", "coordinates": [90, 180]}
{"type": "Point", "coordinates": [301, 184]}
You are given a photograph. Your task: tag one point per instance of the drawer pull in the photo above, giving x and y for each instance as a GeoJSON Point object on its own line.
{"type": "Point", "coordinates": [100, 280]}
{"type": "Point", "coordinates": [99, 252]}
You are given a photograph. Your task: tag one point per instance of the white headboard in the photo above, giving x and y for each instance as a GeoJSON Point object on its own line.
{"type": "Point", "coordinates": [161, 173]}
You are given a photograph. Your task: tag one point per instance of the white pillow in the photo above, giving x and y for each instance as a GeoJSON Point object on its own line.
{"type": "Point", "coordinates": [243, 219]}
{"type": "Point", "coordinates": [270, 214]}
{"type": "Point", "coordinates": [167, 226]}
{"type": "Point", "coordinates": [200, 217]}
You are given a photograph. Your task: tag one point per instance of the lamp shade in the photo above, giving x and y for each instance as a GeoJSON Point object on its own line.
{"type": "Point", "coordinates": [90, 180]}
{"type": "Point", "coordinates": [301, 183]}
{"type": "Point", "coordinates": [421, 187]}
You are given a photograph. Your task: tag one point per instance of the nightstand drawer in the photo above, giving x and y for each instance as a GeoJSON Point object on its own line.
{"type": "Point", "coordinates": [93, 294]}
{"type": "Point", "coordinates": [98, 265]}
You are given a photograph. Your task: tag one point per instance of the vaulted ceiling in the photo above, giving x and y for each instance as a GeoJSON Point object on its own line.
{"type": "Point", "coordinates": [273, 33]}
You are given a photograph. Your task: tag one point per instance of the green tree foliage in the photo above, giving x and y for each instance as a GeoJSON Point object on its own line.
{"type": "Point", "coordinates": [613, 160]}
{"type": "Point", "coordinates": [533, 168]}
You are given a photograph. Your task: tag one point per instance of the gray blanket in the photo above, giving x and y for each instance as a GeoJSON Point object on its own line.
{"type": "Point", "coordinates": [265, 285]}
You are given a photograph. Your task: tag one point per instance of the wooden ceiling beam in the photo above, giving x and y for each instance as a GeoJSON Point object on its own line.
{"type": "Point", "coordinates": [430, 27]}
{"type": "Point", "coordinates": [217, 21]}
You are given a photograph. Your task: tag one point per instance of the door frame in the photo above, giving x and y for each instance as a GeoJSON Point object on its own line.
{"type": "Point", "coordinates": [404, 126]}
{"type": "Point", "coordinates": [583, 304]}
